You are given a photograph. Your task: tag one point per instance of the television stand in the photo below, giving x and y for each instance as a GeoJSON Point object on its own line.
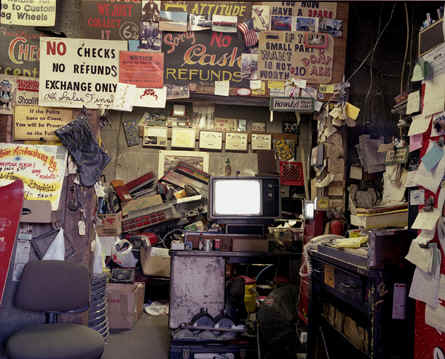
{"type": "Point", "coordinates": [254, 229]}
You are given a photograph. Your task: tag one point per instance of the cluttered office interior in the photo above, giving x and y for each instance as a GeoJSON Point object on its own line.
{"type": "Point", "coordinates": [221, 179]}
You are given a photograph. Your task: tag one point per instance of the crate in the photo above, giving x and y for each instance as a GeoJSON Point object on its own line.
{"type": "Point", "coordinates": [212, 351]}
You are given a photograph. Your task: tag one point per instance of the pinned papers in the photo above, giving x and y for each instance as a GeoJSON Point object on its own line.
{"type": "Point", "coordinates": [421, 257]}
{"type": "Point", "coordinates": [222, 88]}
{"type": "Point", "coordinates": [352, 111]}
{"type": "Point", "coordinates": [432, 157]}
{"type": "Point", "coordinates": [417, 197]}
{"type": "Point", "coordinates": [433, 101]}
{"type": "Point", "coordinates": [415, 142]}
{"type": "Point", "coordinates": [435, 316]}
{"type": "Point", "coordinates": [419, 124]}
{"type": "Point", "coordinates": [255, 84]}
{"type": "Point", "coordinates": [427, 220]}
{"type": "Point", "coordinates": [413, 104]}
{"type": "Point", "coordinates": [124, 97]}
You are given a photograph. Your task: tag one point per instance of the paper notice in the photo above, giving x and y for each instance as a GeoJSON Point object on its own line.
{"type": "Point", "coordinates": [352, 111]}
{"type": "Point", "coordinates": [413, 104]}
{"type": "Point", "coordinates": [419, 124]}
{"type": "Point", "coordinates": [421, 257]}
{"type": "Point", "coordinates": [255, 84]}
{"type": "Point", "coordinates": [435, 317]}
{"type": "Point", "coordinates": [28, 13]}
{"type": "Point", "coordinates": [432, 157]}
{"type": "Point", "coordinates": [415, 142]}
{"type": "Point", "coordinates": [301, 83]}
{"type": "Point", "coordinates": [434, 98]}
{"type": "Point", "coordinates": [427, 220]}
{"type": "Point", "coordinates": [417, 197]}
{"type": "Point", "coordinates": [356, 173]}
{"type": "Point", "coordinates": [222, 88]}
{"type": "Point", "coordinates": [151, 97]}
{"type": "Point", "coordinates": [124, 97]}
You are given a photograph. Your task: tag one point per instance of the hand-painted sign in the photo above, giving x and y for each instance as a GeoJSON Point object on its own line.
{"type": "Point", "coordinates": [41, 168]}
{"type": "Point", "coordinates": [143, 69]}
{"type": "Point", "coordinates": [286, 55]}
{"type": "Point", "coordinates": [35, 123]}
{"type": "Point", "coordinates": [321, 9]}
{"type": "Point", "coordinates": [28, 13]}
{"type": "Point", "coordinates": [289, 104]}
{"type": "Point", "coordinates": [27, 91]}
{"type": "Point", "coordinates": [242, 10]}
{"type": "Point", "coordinates": [203, 58]}
{"type": "Point", "coordinates": [19, 52]}
{"type": "Point", "coordinates": [78, 72]}
{"type": "Point", "coordinates": [110, 20]}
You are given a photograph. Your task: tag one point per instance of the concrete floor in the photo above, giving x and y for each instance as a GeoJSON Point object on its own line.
{"type": "Point", "coordinates": [149, 339]}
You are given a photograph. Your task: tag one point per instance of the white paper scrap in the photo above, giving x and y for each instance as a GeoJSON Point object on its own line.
{"type": "Point", "coordinates": [222, 88]}
{"type": "Point", "coordinates": [124, 97]}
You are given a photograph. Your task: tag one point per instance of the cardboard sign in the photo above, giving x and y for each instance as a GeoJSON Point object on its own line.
{"type": "Point", "coordinates": [41, 168]}
{"type": "Point", "coordinates": [285, 55]}
{"type": "Point", "coordinates": [27, 92]}
{"type": "Point", "coordinates": [203, 57]}
{"type": "Point", "coordinates": [78, 72]}
{"type": "Point", "coordinates": [210, 8]}
{"type": "Point", "coordinates": [36, 123]}
{"type": "Point", "coordinates": [105, 20]}
{"type": "Point", "coordinates": [143, 69]}
{"type": "Point", "coordinates": [19, 51]}
{"type": "Point", "coordinates": [28, 13]}
{"type": "Point", "coordinates": [288, 104]}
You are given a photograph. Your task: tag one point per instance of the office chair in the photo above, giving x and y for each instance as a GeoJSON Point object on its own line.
{"type": "Point", "coordinates": [54, 287]}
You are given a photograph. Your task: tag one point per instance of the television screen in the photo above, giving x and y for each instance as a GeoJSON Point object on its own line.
{"type": "Point", "coordinates": [244, 200]}
{"type": "Point", "coordinates": [237, 197]}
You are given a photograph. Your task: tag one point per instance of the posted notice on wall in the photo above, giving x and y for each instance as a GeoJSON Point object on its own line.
{"type": "Point", "coordinates": [143, 69]}
{"type": "Point", "coordinates": [300, 54]}
{"type": "Point", "coordinates": [28, 12]}
{"type": "Point", "coordinates": [79, 72]}
{"type": "Point", "coordinates": [27, 91]}
{"type": "Point", "coordinates": [41, 168]}
{"type": "Point", "coordinates": [36, 123]}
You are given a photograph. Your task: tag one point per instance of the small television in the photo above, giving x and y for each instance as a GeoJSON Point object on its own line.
{"type": "Point", "coordinates": [244, 200]}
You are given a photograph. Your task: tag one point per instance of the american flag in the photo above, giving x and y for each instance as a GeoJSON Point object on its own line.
{"type": "Point", "coordinates": [249, 34]}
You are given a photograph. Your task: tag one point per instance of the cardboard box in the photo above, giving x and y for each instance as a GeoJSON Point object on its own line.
{"type": "Point", "coordinates": [155, 262]}
{"type": "Point", "coordinates": [250, 245]}
{"type": "Point", "coordinates": [109, 225]}
{"type": "Point", "coordinates": [125, 304]}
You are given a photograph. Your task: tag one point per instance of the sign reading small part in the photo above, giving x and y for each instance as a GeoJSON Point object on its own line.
{"type": "Point", "coordinates": [35, 123]}
{"type": "Point", "coordinates": [285, 55]}
{"type": "Point", "coordinates": [289, 104]}
{"type": "Point", "coordinates": [29, 12]}
{"type": "Point", "coordinates": [78, 72]}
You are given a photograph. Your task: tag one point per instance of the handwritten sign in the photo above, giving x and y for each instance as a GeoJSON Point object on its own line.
{"type": "Point", "coordinates": [35, 123]}
{"type": "Point", "coordinates": [284, 55]}
{"type": "Point", "coordinates": [203, 57]}
{"type": "Point", "coordinates": [105, 20]}
{"type": "Point", "coordinates": [320, 9]}
{"type": "Point", "coordinates": [289, 104]}
{"type": "Point", "coordinates": [19, 51]}
{"type": "Point", "coordinates": [209, 8]}
{"type": "Point", "coordinates": [78, 72]}
{"type": "Point", "coordinates": [41, 168]}
{"type": "Point", "coordinates": [143, 69]}
{"type": "Point", "coordinates": [28, 13]}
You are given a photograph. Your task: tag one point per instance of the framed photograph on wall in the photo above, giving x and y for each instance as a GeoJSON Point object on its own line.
{"type": "Point", "coordinates": [169, 159]}
{"type": "Point", "coordinates": [261, 141]}
{"type": "Point", "coordinates": [236, 141]}
{"type": "Point", "coordinates": [183, 137]}
{"type": "Point", "coordinates": [210, 140]}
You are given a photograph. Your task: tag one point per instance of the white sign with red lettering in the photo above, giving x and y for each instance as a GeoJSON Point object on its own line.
{"type": "Point", "coordinates": [79, 72]}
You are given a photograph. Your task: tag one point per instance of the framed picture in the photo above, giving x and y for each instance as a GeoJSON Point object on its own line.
{"type": "Point", "coordinates": [210, 140]}
{"type": "Point", "coordinates": [155, 136]}
{"type": "Point", "coordinates": [169, 159]}
{"type": "Point", "coordinates": [183, 137]}
{"type": "Point", "coordinates": [261, 141]}
{"type": "Point", "coordinates": [236, 141]}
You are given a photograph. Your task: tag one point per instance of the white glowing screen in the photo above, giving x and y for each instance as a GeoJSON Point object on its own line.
{"type": "Point", "coordinates": [237, 197]}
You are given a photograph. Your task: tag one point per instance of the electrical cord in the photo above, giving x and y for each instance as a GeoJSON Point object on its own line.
{"type": "Point", "coordinates": [375, 45]}
{"type": "Point", "coordinates": [165, 236]}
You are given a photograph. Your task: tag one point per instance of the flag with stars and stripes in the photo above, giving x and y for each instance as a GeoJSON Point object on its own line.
{"type": "Point", "coordinates": [249, 34]}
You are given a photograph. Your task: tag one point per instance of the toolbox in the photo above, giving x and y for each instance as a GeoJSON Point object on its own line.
{"type": "Point", "coordinates": [212, 351]}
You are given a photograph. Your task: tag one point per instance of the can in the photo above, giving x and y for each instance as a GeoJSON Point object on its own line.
{"type": "Point", "coordinates": [217, 244]}
{"type": "Point", "coordinates": [207, 245]}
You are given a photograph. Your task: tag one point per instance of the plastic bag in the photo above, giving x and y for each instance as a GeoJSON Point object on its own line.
{"type": "Point", "coordinates": [122, 254]}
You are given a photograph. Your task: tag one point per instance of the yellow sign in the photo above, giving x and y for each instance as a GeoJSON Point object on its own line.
{"type": "Point", "coordinates": [36, 123]}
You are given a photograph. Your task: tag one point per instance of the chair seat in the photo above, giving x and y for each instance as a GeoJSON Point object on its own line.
{"type": "Point", "coordinates": [55, 341]}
